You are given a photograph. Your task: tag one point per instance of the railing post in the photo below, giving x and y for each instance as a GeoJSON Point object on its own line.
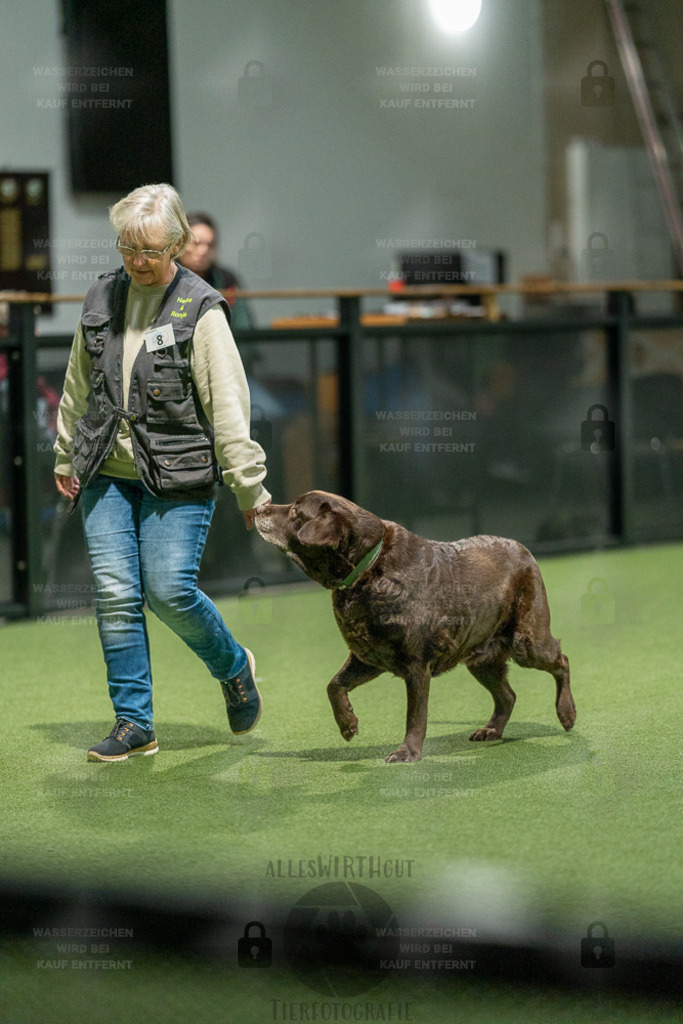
{"type": "Point", "coordinates": [620, 404]}
{"type": "Point", "coordinates": [26, 491]}
{"type": "Point", "coordinates": [351, 416]}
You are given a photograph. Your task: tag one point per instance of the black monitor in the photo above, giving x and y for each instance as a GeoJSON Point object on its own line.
{"type": "Point", "coordinates": [467, 266]}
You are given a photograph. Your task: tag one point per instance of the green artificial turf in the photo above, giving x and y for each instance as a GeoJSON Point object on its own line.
{"type": "Point", "coordinates": [561, 828]}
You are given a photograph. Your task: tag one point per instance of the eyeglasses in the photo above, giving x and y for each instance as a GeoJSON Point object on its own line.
{"type": "Point", "coordinates": [146, 254]}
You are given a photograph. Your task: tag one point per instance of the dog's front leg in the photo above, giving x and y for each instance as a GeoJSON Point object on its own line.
{"type": "Point", "coordinates": [417, 681]}
{"type": "Point", "coordinates": [353, 674]}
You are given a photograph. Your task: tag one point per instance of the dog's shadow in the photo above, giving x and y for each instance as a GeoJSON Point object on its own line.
{"type": "Point", "coordinates": [476, 763]}
{"type": "Point", "coordinates": [448, 759]}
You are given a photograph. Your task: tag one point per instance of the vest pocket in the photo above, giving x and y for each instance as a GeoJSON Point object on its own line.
{"type": "Point", "coordinates": [90, 448]}
{"type": "Point", "coordinates": [95, 327]}
{"type": "Point", "coordinates": [182, 463]}
{"type": "Point", "coordinates": [169, 401]}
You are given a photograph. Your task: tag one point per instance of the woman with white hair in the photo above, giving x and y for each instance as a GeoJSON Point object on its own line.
{"type": "Point", "coordinates": [154, 415]}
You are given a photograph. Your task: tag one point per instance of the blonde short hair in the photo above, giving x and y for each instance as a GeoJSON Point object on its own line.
{"type": "Point", "coordinates": [151, 211]}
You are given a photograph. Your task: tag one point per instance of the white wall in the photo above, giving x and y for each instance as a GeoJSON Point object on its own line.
{"type": "Point", "coordinates": [326, 173]}
{"type": "Point", "coordinates": [33, 137]}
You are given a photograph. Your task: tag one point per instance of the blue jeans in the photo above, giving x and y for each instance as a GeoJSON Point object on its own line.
{"type": "Point", "coordinates": [144, 548]}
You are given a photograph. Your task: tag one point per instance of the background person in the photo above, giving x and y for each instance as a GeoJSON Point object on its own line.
{"type": "Point", "coordinates": [200, 256]}
{"type": "Point", "coordinates": [155, 405]}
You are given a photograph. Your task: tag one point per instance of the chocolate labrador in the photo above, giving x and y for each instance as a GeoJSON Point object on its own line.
{"type": "Point", "coordinates": [417, 608]}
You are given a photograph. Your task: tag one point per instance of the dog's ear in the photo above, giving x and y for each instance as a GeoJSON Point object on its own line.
{"type": "Point", "coordinates": [325, 531]}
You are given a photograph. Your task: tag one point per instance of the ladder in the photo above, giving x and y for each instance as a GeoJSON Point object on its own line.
{"type": "Point", "coordinates": [655, 109]}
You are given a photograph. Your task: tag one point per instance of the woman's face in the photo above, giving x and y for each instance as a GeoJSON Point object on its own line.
{"type": "Point", "coordinates": [149, 271]}
{"type": "Point", "coordinates": [200, 253]}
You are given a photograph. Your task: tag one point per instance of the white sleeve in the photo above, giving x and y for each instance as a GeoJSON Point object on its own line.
{"type": "Point", "coordinates": [221, 383]}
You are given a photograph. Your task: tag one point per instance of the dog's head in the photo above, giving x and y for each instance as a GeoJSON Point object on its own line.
{"type": "Point", "coordinates": [326, 535]}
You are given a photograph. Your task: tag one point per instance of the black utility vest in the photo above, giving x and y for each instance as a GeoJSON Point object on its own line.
{"type": "Point", "coordinates": [171, 436]}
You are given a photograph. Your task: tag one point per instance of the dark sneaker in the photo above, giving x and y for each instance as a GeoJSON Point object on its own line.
{"type": "Point", "coordinates": [242, 699]}
{"type": "Point", "coordinates": [125, 740]}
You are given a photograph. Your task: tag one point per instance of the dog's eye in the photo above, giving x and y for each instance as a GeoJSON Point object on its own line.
{"type": "Point", "coordinates": [298, 520]}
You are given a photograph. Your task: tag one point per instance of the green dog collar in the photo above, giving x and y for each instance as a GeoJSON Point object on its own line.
{"type": "Point", "coordinates": [365, 563]}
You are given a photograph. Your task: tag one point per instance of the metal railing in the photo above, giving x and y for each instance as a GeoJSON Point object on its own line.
{"type": "Point", "coordinates": [350, 333]}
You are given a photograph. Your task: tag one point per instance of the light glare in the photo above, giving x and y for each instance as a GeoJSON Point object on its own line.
{"type": "Point", "coordinates": [455, 15]}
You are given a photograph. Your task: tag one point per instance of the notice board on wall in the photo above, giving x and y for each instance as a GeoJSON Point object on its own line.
{"type": "Point", "coordinates": [25, 231]}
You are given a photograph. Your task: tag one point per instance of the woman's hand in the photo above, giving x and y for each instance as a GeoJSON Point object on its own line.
{"type": "Point", "coordinates": [68, 486]}
{"type": "Point", "coordinates": [251, 514]}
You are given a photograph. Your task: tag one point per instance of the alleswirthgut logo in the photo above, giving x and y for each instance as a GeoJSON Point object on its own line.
{"type": "Point", "coordinates": [335, 938]}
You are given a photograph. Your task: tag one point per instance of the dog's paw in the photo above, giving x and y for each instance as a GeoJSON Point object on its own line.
{"type": "Point", "coordinates": [480, 735]}
{"type": "Point", "coordinates": [566, 712]}
{"type": "Point", "coordinates": [349, 729]}
{"type": "Point", "coordinates": [403, 755]}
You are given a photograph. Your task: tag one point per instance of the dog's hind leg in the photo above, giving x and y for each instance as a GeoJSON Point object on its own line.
{"type": "Point", "coordinates": [353, 674]}
{"type": "Point", "coordinates": [534, 646]}
{"type": "Point", "coordinates": [564, 702]}
{"type": "Point", "coordinates": [548, 657]}
{"type": "Point", "coordinates": [493, 675]}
